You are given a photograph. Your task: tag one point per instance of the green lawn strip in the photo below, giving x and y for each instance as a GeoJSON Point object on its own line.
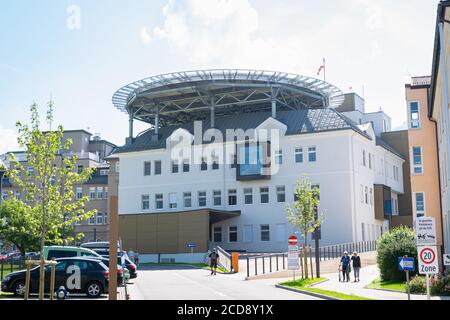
{"type": "Point", "coordinates": [387, 285]}
{"type": "Point", "coordinates": [305, 285]}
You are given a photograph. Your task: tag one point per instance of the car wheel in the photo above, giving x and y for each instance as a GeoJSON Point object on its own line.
{"type": "Point", "coordinates": [19, 288]}
{"type": "Point", "coordinates": [94, 289]}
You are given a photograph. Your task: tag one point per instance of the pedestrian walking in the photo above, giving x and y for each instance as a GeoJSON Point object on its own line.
{"type": "Point", "coordinates": [345, 266]}
{"type": "Point", "coordinates": [356, 262]}
{"type": "Point", "coordinates": [213, 261]}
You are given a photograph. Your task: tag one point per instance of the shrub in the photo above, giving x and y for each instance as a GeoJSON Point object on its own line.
{"type": "Point", "coordinates": [418, 285]}
{"type": "Point", "coordinates": [440, 285]}
{"type": "Point", "coordinates": [392, 245]}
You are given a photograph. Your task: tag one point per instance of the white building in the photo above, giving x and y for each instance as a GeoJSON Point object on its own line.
{"type": "Point", "coordinates": [355, 170]}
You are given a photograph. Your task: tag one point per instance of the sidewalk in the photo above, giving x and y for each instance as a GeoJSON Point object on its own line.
{"type": "Point", "coordinates": [367, 275]}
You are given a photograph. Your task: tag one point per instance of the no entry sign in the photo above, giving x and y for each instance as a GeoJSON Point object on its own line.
{"type": "Point", "coordinates": [292, 241]}
{"type": "Point", "coordinates": [428, 262]}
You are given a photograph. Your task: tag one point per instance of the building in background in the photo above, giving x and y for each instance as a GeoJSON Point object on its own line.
{"type": "Point", "coordinates": [438, 110]}
{"type": "Point", "coordinates": [167, 202]}
{"type": "Point", "coordinates": [91, 152]}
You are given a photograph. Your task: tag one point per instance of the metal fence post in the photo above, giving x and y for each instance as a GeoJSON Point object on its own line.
{"type": "Point", "coordinates": [277, 263]}
{"type": "Point", "coordinates": [248, 267]}
{"type": "Point", "coordinates": [264, 266]}
{"type": "Point", "coordinates": [270, 260]}
{"type": "Point", "coordinates": [283, 262]}
{"type": "Point", "coordinates": [256, 266]}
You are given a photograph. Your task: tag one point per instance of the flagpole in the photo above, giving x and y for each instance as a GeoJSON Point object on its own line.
{"type": "Point", "coordinates": [324, 71]}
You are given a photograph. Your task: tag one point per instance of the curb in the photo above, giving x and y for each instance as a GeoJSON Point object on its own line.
{"type": "Point", "coordinates": [313, 294]}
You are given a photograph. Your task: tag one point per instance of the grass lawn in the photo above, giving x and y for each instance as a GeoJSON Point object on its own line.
{"type": "Point", "coordinates": [304, 284]}
{"type": "Point", "coordinates": [197, 265]}
{"type": "Point", "coordinates": [388, 285]}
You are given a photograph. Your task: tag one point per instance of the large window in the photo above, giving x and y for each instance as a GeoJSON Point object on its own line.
{"type": "Point", "coordinates": [202, 198]}
{"type": "Point", "coordinates": [217, 234]}
{"type": "Point", "coordinates": [265, 232]}
{"type": "Point", "coordinates": [299, 155]}
{"type": "Point", "coordinates": [217, 198]}
{"type": "Point", "coordinates": [159, 201]}
{"type": "Point", "coordinates": [147, 168]}
{"type": "Point", "coordinates": [204, 164]}
{"type": "Point", "coordinates": [99, 218]}
{"type": "Point", "coordinates": [99, 193]}
{"type": "Point", "coordinates": [79, 193]}
{"type": "Point", "coordinates": [417, 160]}
{"type": "Point", "coordinates": [264, 193]}
{"type": "Point", "coordinates": [232, 197]}
{"type": "Point", "coordinates": [158, 167]}
{"type": "Point", "coordinates": [145, 200]}
{"type": "Point", "coordinates": [420, 204]}
{"type": "Point", "coordinates": [232, 234]}
{"type": "Point", "coordinates": [92, 193]}
{"type": "Point", "coordinates": [187, 199]}
{"type": "Point", "coordinates": [248, 195]}
{"type": "Point", "coordinates": [173, 201]}
{"type": "Point", "coordinates": [186, 167]}
{"type": "Point", "coordinates": [279, 157]}
{"type": "Point", "coordinates": [281, 194]}
{"type": "Point", "coordinates": [106, 194]}
{"type": "Point", "coordinates": [312, 154]}
{"type": "Point", "coordinates": [175, 166]}
{"type": "Point", "coordinates": [215, 163]}
{"type": "Point", "coordinates": [105, 218]}
{"type": "Point", "coordinates": [414, 115]}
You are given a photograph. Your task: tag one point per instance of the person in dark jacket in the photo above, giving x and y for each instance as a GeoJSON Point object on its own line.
{"type": "Point", "coordinates": [213, 261]}
{"type": "Point", "coordinates": [345, 266]}
{"type": "Point", "coordinates": [356, 262]}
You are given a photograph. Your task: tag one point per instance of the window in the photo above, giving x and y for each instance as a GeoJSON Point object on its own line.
{"type": "Point", "coordinates": [299, 155]}
{"type": "Point", "coordinates": [105, 218]}
{"type": "Point", "coordinates": [414, 115]}
{"type": "Point", "coordinates": [99, 193]}
{"type": "Point", "coordinates": [147, 168]}
{"type": "Point", "coordinates": [145, 200]}
{"type": "Point", "coordinates": [248, 233]}
{"type": "Point", "coordinates": [99, 218]}
{"type": "Point", "coordinates": [232, 198]}
{"type": "Point", "coordinates": [173, 202]}
{"type": "Point", "coordinates": [202, 198]}
{"type": "Point", "coordinates": [370, 161]}
{"type": "Point", "coordinates": [264, 193]}
{"type": "Point", "coordinates": [79, 193]}
{"type": "Point", "coordinates": [281, 194]}
{"type": "Point", "coordinates": [248, 195]}
{"type": "Point", "coordinates": [187, 199]}
{"type": "Point", "coordinates": [366, 195]}
{"type": "Point", "coordinates": [215, 164]}
{"type": "Point", "coordinates": [92, 193]}
{"type": "Point", "coordinates": [217, 234]}
{"type": "Point", "coordinates": [17, 194]}
{"type": "Point", "coordinates": [312, 156]}
{"type": "Point", "coordinates": [232, 234]}
{"type": "Point", "coordinates": [417, 160]}
{"type": "Point", "coordinates": [281, 232]}
{"type": "Point", "coordinates": [106, 194]}
{"type": "Point", "coordinates": [159, 201]}
{"type": "Point", "coordinates": [92, 220]}
{"type": "Point", "coordinates": [157, 167]}
{"type": "Point", "coordinates": [217, 198]}
{"type": "Point", "coordinates": [204, 164]}
{"type": "Point", "coordinates": [420, 204]}
{"type": "Point", "coordinates": [364, 157]}
{"type": "Point", "coordinates": [279, 157]}
{"type": "Point", "coordinates": [104, 172]}
{"type": "Point", "coordinates": [80, 169]}
{"type": "Point", "coordinates": [265, 232]}
{"type": "Point", "coordinates": [175, 166]}
{"type": "Point", "coordinates": [186, 166]}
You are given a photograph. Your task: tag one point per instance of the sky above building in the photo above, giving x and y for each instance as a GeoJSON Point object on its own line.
{"type": "Point", "coordinates": [79, 52]}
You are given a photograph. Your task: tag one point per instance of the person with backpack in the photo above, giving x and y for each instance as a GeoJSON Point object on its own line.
{"type": "Point", "coordinates": [213, 261]}
{"type": "Point", "coordinates": [345, 266]}
{"type": "Point", "coordinates": [356, 261]}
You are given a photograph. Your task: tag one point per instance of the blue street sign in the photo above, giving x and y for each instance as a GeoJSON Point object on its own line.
{"type": "Point", "coordinates": [192, 245]}
{"type": "Point", "coordinates": [406, 264]}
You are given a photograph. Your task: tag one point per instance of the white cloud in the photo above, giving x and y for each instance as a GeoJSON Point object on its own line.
{"type": "Point", "coordinates": [8, 140]}
{"type": "Point", "coordinates": [145, 36]}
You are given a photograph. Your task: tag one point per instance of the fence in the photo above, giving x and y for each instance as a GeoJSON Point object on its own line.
{"type": "Point", "coordinates": [11, 265]}
{"type": "Point", "coordinates": [257, 264]}
{"type": "Point", "coordinates": [224, 259]}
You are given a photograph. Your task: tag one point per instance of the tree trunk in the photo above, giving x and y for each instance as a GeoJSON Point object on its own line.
{"type": "Point", "coordinates": [305, 255]}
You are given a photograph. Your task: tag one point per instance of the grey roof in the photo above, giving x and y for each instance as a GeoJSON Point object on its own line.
{"type": "Point", "coordinates": [297, 122]}
{"type": "Point", "coordinates": [97, 178]}
{"type": "Point", "coordinates": [382, 143]}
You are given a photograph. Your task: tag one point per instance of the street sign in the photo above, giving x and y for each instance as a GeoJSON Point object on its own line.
{"type": "Point", "coordinates": [192, 245]}
{"type": "Point", "coordinates": [446, 259]}
{"type": "Point", "coordinates": [425, 231]}
{"type": "Point", "coordinates": [293, 240]}
{"type": "Point", "coordinates": [293, 261]}
{"type": "Point", "coordinates": [406, 264]}
{"type": "Point", "coordinates": [428, 262]}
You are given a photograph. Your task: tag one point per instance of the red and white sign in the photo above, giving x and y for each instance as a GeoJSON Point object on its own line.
{"type": "Point", "coordinates": [428, 262]}
{"type": "Point", "coordinates": [293, 240]}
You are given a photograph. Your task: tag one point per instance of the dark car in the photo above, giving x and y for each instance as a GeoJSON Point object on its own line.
{"type": "Point", "coordinates": [132, 267]}
{"type": "Point", "coordinates": [92, 280]}
{"type": "Point", "coordinates": [120, 271]}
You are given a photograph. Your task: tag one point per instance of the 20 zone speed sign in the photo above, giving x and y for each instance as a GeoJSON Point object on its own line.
{"type": "Point", "coordinates": [428, 263]}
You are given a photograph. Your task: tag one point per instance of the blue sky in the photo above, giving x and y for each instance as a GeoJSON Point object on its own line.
{"type": "Point", "coordinates": [372, 43]}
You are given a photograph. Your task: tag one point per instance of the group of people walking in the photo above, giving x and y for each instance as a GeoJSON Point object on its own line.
{"type": "Point", "coordinates": [346, 265]}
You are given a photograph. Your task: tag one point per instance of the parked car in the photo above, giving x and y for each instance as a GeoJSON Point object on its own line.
{"type": "Point", "coordinates": [121, 270]}
{"type": "Point", "coordinates": [32, 255]}
{"type": "Point", "coordinates": [3, 256]}
{"type": "Point", "coordinates": [51, 252]}
{"type": "Point", "coordinates": [131, 267]}
{"type": "Point", "coordinates": [93, 281]}
{"type": "Point", "coordinates": [15, 255]}
{"type": "Point", "coordinates": [97, 245]}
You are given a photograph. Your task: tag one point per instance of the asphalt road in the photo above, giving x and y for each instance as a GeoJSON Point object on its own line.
{"type": "Point", "coordinates": [174, 282]}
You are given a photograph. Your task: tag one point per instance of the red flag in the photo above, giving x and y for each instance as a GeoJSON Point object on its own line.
{"type": "Point", "coordinates": [322, 67]}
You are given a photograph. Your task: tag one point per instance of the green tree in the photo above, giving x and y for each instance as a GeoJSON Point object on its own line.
{"type": "Point", "coordinates": [19, 226]}
{"type": "Point", "coordinates": [303, 213]}
{"type": "Point", "coordinates": [396, 243]}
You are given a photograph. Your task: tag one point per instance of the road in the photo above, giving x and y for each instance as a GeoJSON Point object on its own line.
{"type": "Point", "coordinates": [175, 282]}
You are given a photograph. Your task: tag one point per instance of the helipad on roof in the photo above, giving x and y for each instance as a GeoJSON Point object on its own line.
{"type": "Point", "coordinates": [180, 97]}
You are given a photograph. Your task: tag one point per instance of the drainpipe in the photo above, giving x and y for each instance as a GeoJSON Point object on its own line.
{"type": "Point", "coordinates": [355, 225]}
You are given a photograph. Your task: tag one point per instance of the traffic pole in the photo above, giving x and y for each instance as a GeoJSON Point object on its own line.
{"type": "Point", "coordinates": [407, 285]}
{"type": "Point", "coordinates": [428, 286]}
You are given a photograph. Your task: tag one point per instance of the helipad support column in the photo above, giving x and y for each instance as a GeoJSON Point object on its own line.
{"type": "Point", "coordinates": [130, 127]}
{"type": "Point", "coordinates": [213, 113]}
{"type": "Point", "coordinates": [157, 121]}
{"type": "Point", "coordinates": [274, 104]}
